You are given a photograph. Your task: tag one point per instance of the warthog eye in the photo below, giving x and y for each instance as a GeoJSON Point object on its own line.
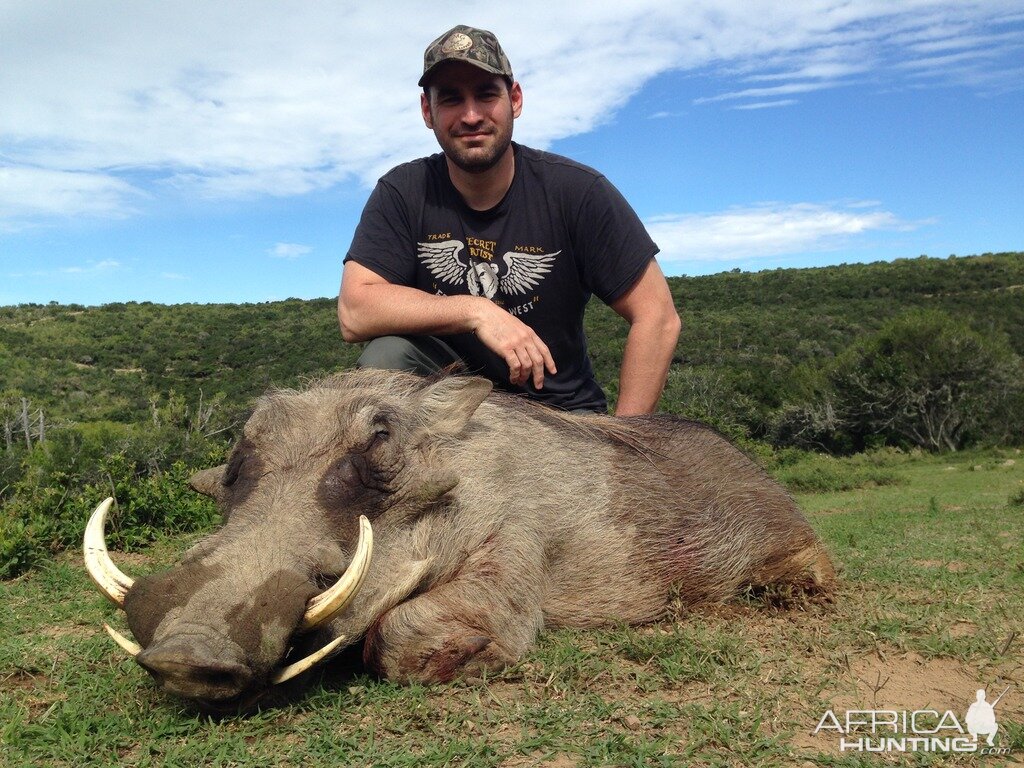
{"type": "Point", "coordinates": [381, 430]}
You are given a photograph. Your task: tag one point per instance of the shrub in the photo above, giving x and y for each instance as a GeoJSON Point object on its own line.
{"type": "Point", "coordinates": [706, 394]}
{"type": "Point", "coordinates": [925, 379]}
{"type": "Point", "coordinates": [929, 380]}
{"type": "Point", "coordinates": [37, 525]}
{"type": "Point", "coordinates": [145, 468]}
{"type": "Point", "coordinates": [825, 474]}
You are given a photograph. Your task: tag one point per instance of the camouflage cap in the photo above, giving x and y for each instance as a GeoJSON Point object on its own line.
{"type": "Point", "coordinates": [469, 44]}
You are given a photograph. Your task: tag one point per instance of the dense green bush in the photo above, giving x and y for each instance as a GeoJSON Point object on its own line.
{"type": "Point", "coordinates": [35, 525]}
{"type": "Point", "coordinates": [924, 379]}
{"type": "Point", "coordinates": [709, 395]}
{"type": "Point", "coordinates": [51, 489]}
{"type": "Point", "coordinates": [927, 379]}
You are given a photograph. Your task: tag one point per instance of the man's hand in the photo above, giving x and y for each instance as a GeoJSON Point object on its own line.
{"type": "Point", "coordinates": [370, 306]}
{"type": "Point", "coordinates": [509, 337]}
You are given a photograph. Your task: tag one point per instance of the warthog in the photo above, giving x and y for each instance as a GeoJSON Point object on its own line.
{"type": "Point", "coordinates": [492, 518]}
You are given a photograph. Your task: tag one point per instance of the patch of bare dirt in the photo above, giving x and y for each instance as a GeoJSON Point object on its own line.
{"type": "Point", "coordinates": [826, 511]}
{"type": "Point", "coordinates": [58, 631]}
{"type": "Point", "coordinates": [963, 628]}
{"type": "Point", "coordinates": [541, 760]}
{"type": "Point", "coordinates": [23, 679]}
{"type": "Point", "coordinates": [35, 690]}
{"type": "Point", "coordinates": [904, 682]}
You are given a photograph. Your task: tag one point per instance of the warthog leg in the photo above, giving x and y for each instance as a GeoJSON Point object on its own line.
{"type": "Point", "coordinates": [480, 621]}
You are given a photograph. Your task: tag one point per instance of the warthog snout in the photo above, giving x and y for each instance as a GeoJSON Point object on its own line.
{"type": "Point", "coordinates": [197, 667]}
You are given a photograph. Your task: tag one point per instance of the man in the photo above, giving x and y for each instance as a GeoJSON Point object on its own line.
{"type": "Point", "coordinates": [488, 252]}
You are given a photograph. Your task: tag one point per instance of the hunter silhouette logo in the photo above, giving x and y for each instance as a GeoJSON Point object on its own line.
{"type": "Point", "coordinates": [981, 717]}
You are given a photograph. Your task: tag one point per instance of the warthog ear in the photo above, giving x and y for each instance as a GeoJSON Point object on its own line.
{"type": "Point", "coordinates": [207, 481]}
{"type": "Point", "coordinates": [448, 404]}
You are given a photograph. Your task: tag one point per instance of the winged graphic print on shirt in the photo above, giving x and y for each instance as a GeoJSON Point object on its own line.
{"type": "Point", "coordinates": [514, 273]}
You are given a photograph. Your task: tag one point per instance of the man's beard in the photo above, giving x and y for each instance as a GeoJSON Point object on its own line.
{"type": "Point", "coordinates": [474, 160]}
{"type": "Point", "coordinates": [477, 160]}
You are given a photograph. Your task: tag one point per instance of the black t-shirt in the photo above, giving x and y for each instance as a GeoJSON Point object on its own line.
{"type": "Point", "coordinates": [561, 233]}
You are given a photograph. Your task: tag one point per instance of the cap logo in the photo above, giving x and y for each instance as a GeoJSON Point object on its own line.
{"type": "Point", "coordinates": [457, 43]}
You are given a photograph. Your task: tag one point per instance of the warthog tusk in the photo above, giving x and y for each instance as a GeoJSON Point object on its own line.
{"type": "Point", "coordinates": [327, 604]}
{"type": "Point", "coordinates": [108, 579]}
{"type": "Point", "coordinates": [133, 649]}
{"type": "Point", "coordinates": [294, 670]}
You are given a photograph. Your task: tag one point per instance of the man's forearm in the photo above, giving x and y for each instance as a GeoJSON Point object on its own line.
{"type": "Point", "coordinates": [645, 363]}
{"type": "Point", "coordinates": [369, 307]}
{"type": "Point", "coordinates": [380, 310]}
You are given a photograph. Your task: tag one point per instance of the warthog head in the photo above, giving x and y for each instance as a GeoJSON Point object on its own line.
{"type": "Point", "coordinates": [310, 472]}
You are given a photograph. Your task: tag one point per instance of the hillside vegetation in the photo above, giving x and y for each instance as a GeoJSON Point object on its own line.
{"type": "Point", "coordinates": [126, 399]}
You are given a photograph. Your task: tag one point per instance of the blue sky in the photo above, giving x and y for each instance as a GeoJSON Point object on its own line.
{"type": "Point", "coordinates": [183, 152]}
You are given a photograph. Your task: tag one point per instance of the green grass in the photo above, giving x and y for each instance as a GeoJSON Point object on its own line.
{"type": "Point", "coordinates": [932, 590]}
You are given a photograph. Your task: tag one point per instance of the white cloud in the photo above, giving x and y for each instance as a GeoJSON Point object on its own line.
{"type": "Point", "coordinates": [289, 250]}
{"type": "Point", "coordinates": [956, 42]}
{"type": "Point", "coordinates": [98, 266]}
{"type": "Point", "coordinates": [945, 61]}
{"type": "Point", "coordinates": [821, 65]}
{"type": "Point", "coordinates": [760, 93]}
{"type": "Point", "coordinates": [77, 270]}
{"type": "Point", "coordinates": [27, 193]}
{"type": "Point", "coordinates": [769, 229]}
{"type": "Point", "coordinates": [766, 104]}
{"type": "Point", "coordinates": [102, 100]}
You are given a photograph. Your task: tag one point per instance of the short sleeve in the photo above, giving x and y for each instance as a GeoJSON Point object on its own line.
{"type": "Point", "coordinates": [383, 241]}
{"type": "Point", "coordinates": [613, 243]}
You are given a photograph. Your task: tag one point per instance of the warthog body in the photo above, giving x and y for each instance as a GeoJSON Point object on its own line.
{"type": "Point", "coordinates": [492, 518]}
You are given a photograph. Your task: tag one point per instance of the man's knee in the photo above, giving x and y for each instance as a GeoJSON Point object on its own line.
{"type": "Point", "coordinates": [387, 352]}
{"type": "Point", "coordinates": [419, 354]}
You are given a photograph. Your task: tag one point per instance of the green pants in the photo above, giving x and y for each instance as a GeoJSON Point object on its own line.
{"type": "Point", "coordinates": [417, 354]}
